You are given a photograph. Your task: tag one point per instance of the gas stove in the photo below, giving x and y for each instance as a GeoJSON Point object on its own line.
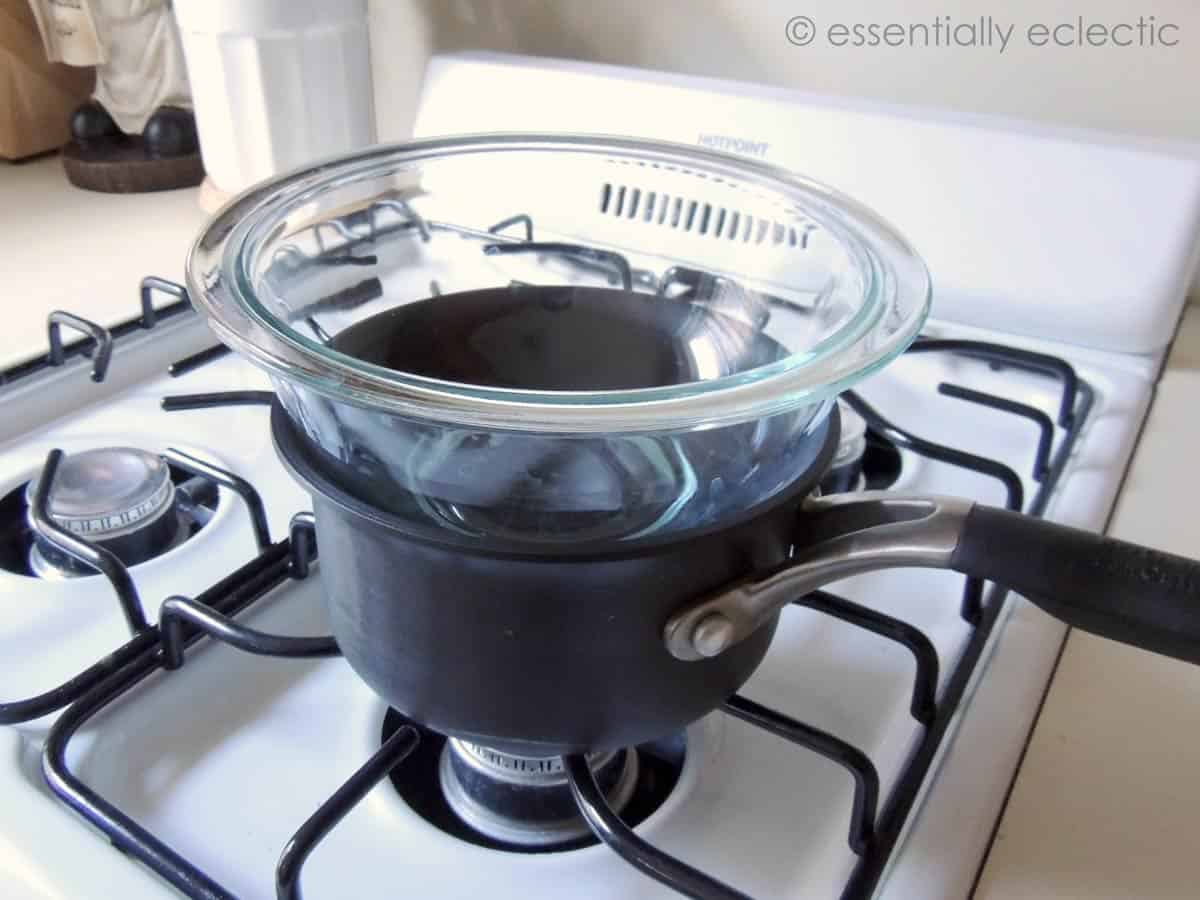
{"type": "Point", "coordinates": [187, 706]}
{"type": "Point", "coordinates": [851, 710]}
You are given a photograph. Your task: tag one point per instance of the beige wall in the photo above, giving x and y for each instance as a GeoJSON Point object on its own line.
{"type": "Point", "coordinates": [1152, 91]}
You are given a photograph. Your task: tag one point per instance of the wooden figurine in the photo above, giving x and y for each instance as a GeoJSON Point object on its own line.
{"type": "Point", "coordinates": [137, 131]}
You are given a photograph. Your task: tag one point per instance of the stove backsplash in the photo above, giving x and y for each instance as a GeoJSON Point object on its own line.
{"type": "Point", "coordinates": [748, 42]}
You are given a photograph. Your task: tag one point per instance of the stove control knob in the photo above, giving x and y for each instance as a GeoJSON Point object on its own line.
{"type": "Point", "coordinates": [110, 492]}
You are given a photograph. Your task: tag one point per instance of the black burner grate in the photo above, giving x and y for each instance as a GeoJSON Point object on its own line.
{"type": "Point", "coordinates": [97, 558]}
{"type": "Point", "coordinates": [876, 823]}
{"type": "Point", "coordinates": [99, 343]}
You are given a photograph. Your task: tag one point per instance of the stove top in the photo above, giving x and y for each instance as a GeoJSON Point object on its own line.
{"type": "Point", "coordinates": [183, 725]}
{"type": "Point", "coordinates": [222, 743]}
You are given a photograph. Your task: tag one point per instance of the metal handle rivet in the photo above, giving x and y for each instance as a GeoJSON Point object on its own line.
{"type": "Point", "coordinates": [712, 635]}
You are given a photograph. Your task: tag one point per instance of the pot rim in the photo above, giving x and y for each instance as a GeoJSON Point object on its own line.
{"type": "Point", "coordinates": [895, 301]}
{"type": "Point", "coordinates": [290, 447]}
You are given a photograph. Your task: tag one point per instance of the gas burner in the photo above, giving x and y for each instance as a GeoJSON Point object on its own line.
{"type": "Point", "coordinates": [527, 800]}
{"type": "Point", "coordinates": [127, 500]}
{"type": "Point", "coordinates": [524, 804]}
{"type": "Point", "coordinates": [864, 461]}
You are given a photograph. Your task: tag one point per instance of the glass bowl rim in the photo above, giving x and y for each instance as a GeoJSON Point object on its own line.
{"type": "Point", "coordinates": [221, 260]}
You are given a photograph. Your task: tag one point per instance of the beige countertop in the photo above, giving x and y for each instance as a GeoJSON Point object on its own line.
{"type": "Point", "coordinates": [1107, 801]}
{"type": "Point", "coordinates": [82, 251]}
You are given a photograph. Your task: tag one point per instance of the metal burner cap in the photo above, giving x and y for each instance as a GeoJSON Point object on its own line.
{"type": "Point", "coordinates": [109, 492]}
{"type": "Point", "coordinates": [526, 801]}
{"type": "Point", "coordinates": [507, 767]}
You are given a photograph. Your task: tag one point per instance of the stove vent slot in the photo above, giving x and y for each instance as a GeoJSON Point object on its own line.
{"type": "Point", "coordinates": [683, 214]}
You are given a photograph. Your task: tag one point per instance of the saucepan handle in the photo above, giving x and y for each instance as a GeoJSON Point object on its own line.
{"type": "Point", "coordinates": [1112, 588]}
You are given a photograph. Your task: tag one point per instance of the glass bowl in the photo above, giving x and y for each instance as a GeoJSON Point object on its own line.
{"type": "Point", "coordinates": [551, 339]}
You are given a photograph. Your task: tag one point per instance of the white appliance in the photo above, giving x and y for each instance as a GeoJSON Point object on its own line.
{"type": "Point", "coordinates": [1066, 246]}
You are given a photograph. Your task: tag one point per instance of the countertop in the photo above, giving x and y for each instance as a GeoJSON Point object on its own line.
{"type": "Point", "coordinates": [115, 240]}
{"type": "Point", "coordinates": [1104, 805]}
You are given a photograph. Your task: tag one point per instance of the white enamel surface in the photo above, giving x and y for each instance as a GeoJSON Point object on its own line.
{"type": "Point", "coordinates": [1025, 229]}
{"type": "Point", "coordinates": [261, 743]}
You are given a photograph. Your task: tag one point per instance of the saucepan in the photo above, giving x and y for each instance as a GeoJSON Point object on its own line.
{"type": "Point", "coordinates": [562, 404]}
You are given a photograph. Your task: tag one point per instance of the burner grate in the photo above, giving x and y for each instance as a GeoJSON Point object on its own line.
{"type": "Point", "coordinates": [925, 679]}
{"type": "Point", "coordinates": [640, 854]}
{"type": "Point", "coordinates": [99, 343]}
{"type": "Point", "coordinates": [395, 750]}
{"type": "Point", "coordinates": [289, 558]}
{"type": "Point", "coordinates": [105, 562]}
{"type": "Point", "coordinates": [877, 824]}
{"type": "Point", "coordinates": [972, 602]}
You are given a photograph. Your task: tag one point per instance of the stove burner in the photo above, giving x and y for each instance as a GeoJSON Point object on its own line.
{"type": "Point", "coordinates": [864, 461]}
{"type": "Point", "coordinates": [524, 804]}
{"type": "Point", "coordinates": [118, 497]}
{"type": "Point", "coordinates": [527, 800]}
{"type": "Point", "coordinates": [127, 500]}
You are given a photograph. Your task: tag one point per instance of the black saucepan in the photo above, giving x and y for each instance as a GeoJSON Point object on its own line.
{"type": "Point", "coordinates": [562, 401]}
{"type": "Point", "coordinates": [542, 651]}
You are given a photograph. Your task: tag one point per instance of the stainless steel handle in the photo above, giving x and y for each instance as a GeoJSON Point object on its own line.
{"type": "Point", "coordinates": [839, 536]}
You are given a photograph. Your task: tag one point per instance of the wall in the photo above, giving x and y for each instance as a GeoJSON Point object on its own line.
{"type": "Point", "coordinates": [1151, 90]}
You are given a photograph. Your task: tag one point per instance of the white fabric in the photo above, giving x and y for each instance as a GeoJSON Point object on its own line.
{"type": "Point", "coordinates": [134, 45]}
{"type": "Point", "coordinates": [68, 32]}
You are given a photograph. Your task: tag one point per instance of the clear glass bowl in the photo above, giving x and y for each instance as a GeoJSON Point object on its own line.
{"type": "Point", "coordinates": [557, 338]}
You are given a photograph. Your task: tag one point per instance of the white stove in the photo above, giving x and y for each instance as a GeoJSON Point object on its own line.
{"type": "Point", "coordinates": [205, 773]}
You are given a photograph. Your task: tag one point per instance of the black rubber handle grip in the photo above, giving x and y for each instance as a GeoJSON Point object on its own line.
{"type": "Point", "coordinates": [1112, 588]}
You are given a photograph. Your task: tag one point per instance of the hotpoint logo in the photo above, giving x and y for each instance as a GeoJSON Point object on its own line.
{"type": "Point", "coordinates": [730, 144]}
